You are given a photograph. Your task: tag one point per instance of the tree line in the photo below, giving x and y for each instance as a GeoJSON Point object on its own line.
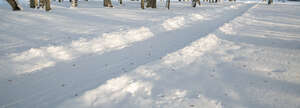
{"type": "Point", "coordinates": [46, 4]}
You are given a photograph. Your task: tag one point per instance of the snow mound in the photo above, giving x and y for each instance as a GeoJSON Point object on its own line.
{"type": "Point", "coordinates": [38, 58]}
{"type": "Point", "coordinates": [136, 87]}
{"type": "Point", "coordinates": [173, 23]}
{"type": "Point", "coordinates": [227, 28]}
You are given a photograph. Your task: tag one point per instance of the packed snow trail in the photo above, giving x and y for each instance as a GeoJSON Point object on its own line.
{"type": "Point", "coordinates": [53, 85]}
{"type": "Point", "coordinates": [189, 61]}
{"type": "Point", "coordinates": [227, 73]}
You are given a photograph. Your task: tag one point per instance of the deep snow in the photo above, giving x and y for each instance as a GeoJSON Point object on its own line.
{"type": "Point", "coordinates": [224, 55]}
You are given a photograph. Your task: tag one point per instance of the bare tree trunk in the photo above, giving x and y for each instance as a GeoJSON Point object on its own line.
{"type": "Point", "coordinates": [168, 4]}
{"type": "Point", "coordinates": [47, 3]}
{"type": "Point", "coordinates": [270, 2]}
{"type": "Point", "coordinates": [148, 3]}
{"type": "Point", "coordinates": [14, 5]}
{"type": "Point", "coordinates": [142, 4]}
{"type": "Point", "coordinates": [194, 3]}
{"type": "Point", "coordinates": [32, 3]}
{"type": "Point", "coordinates": [120, 1]}
{"type": "Point", "coordinates": [153, 3]}
{"type": "Point", "coordinates": [74, 3]}
{"type": "Point", "coordinates": [59, 1]}
{"type": "Point", "coordinates": [107, 3]}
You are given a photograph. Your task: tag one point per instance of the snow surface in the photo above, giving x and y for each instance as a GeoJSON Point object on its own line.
{"type": "Point", "coordinates": [224, 55]}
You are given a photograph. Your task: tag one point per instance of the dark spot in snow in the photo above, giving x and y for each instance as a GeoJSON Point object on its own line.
{"type": "Point", "coordinates": [76, 95]}
{"type": "Point", "coordinates": [106, 65]}
{"type": "Point", "coordinates": [74, 65]}
{"type": "Point", "coordinates": [172, 69]}
{"type": "Point", "coordinates": [160, 57]}
{"type": "Point", "coordinates": [244, 65]}
{"type": "Point", "coordinates": [192, 105]}
{"type": "Point", "coordinates": [162, 96]}
{"type": "Point", "coordinates": [211, 75]}
{"type": "Point", "coordinates": [251, 83]}
{"type": "Point", "coordinates": [214, 70]}
{"type": "Point", "coordinates": [9, 80]}
{"type": "Point", "coordinates": [265, 81]}
{"type": "Point", "coordinates": [226, 94]}
{"type": "Point", "coordinates": [63, 85]}
{"type": "Point", "coordinates": [131, 63]}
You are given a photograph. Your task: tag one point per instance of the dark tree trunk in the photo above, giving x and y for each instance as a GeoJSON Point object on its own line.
{"type": "Point", "coordinates": [194, 3]}
{"type": "Point", "coordinates": [148, 3]}
{"type": "Point", "coordinates": [168, 4]}
{"type": "Point", "coordinates": [32, 3]}
{"type": "Point", "coordinates": [120, 1]}
{"type": "Point", "coordinates": [70, 1]}
{"type": "Point", "coordinates": [14, 5]}
{"type": "Point", "coordinates": [270, 2]}
{"type": "Point", "coordinates": [48, 5]}
{"type": "Point", "coordinates": [143, 4]}
{"type": "Point", "coordinates": [153, 3]}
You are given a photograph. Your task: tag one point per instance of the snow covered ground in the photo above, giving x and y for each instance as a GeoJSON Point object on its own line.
{"type": "Point", "coordinates": [224, 55]}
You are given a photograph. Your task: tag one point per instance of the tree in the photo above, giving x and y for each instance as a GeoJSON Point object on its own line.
{"type": "Point", "coordinates": [153, 3]}
{"type": "Point", "coordinates": [142, 4]}
{"type": "Point", "coordinates": [48, 3]}
{"type": "Point", "coordinates": [107, 3]}
{"type": "Point", "coordinates": [148, 3]}
{"type": "Point", "coordinates": [270, 2]}
{"type": "Point", "coordinates": [14, 5]}
{"type": "Point", "coordinates": [32, 3]}
{"type": "Point", "coordinates": [168, 4]}
{"type": "Point", "coordinates": [120, 1]}
{"type": "Point", "coordinates": [194, 3]}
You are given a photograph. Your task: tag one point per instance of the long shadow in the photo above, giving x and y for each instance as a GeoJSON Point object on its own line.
{"type": "Point", "coordinates": [51, 86]}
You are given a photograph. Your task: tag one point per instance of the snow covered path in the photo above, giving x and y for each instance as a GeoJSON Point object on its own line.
{"type": "Point", "coordinates": [213, 58]}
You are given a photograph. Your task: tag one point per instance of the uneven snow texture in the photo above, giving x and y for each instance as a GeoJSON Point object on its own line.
{"type": "Point", "coordinates": [224, 55]}
{"type": "Point", "coordinates": [39, 58]}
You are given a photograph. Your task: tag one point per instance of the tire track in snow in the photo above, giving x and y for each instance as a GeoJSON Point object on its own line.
{"type": "Point", "coordinates": [186, 23]}
{"type": "Point", "coordinates": [136, 87]}
{"type": "Point", "coordinates": [39, 58]}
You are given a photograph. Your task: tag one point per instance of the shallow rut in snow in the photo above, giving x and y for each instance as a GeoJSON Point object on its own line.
{"type": "Point", "coordinates": [89, 72]}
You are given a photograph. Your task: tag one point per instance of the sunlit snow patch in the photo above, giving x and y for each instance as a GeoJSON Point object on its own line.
{"type": "Point", "coordinates": [135, 88]}
{"type": "Point", "coordinates": [39, 58]}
